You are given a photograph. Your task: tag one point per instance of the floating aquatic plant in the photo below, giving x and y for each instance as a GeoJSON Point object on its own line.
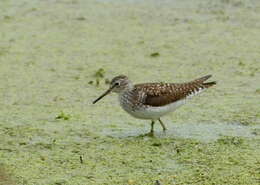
{"type": "Point", "coordinates": [63, 116]}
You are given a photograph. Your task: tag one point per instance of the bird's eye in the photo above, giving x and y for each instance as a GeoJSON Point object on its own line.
{"type": "Point", "coordinates": [117, 83]}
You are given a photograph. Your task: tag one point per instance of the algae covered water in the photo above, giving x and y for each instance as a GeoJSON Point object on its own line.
{"type": "Point", "coordinates": [57, 56]}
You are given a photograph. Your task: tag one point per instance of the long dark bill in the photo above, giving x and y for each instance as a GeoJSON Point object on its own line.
{"type": "Point", "coordinates": [104, 94]}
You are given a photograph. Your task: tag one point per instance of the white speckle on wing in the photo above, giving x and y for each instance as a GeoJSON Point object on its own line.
{"type": "Point", "coordinates": [193, 93]}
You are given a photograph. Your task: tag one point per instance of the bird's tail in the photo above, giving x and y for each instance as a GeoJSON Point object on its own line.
{"type": "Point", "coordinates": [205, 84]}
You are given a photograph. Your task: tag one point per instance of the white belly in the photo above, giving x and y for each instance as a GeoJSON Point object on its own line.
{"type": "Point", "coordinates": [148, 112]}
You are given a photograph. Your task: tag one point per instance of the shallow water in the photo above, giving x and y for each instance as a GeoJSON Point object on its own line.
{"type": "Point", "coordinates": [204, 132]}
{"type": "Point", "coordinates": [50, 52]}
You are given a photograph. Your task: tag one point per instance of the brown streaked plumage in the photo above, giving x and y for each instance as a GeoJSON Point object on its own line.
{"type": "Point", "coordinates": [160, 94]}
{"type": "Point", "coordinates": [153, 100]}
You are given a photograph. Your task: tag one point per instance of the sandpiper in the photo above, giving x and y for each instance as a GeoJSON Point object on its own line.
{"type": "Point", "coordinates": [153, 100]}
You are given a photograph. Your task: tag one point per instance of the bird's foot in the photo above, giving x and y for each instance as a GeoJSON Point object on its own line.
{"type": "Point", "coordinates": [150, 134]}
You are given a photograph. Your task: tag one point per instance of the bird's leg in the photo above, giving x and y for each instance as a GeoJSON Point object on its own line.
{"type": "Point", "coordinates": [152, 124]}
{"type": "Point", "coordinates": [151, 133]}
{"type": "Point", "coordinates": [163, 126]}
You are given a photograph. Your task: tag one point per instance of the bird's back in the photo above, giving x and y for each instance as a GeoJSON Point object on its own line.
{"type": "Point", "coordinates": [160, 94]}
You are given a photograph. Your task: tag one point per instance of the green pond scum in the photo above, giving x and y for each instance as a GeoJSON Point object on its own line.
{"type": "Point", "coordinates": [50, 132]}
{"type": "Point", "coordinates": [63, 116]}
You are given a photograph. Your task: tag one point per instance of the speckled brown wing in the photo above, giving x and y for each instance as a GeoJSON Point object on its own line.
{"type": "Point", "coordinates": [159, 94]}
